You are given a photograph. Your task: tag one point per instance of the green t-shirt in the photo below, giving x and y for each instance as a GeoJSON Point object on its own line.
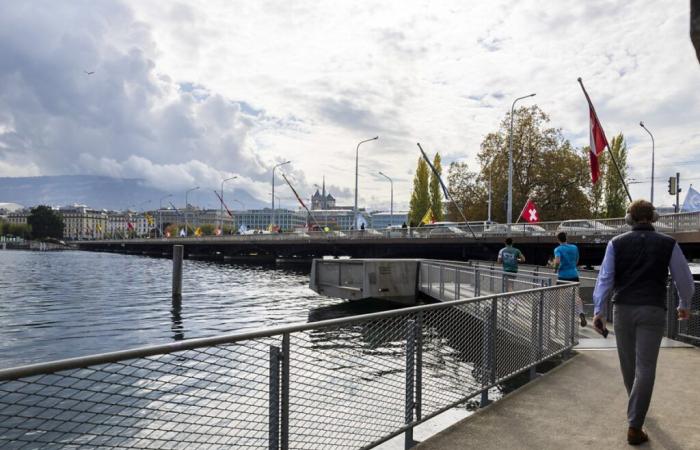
{"type": "Point", "coordinates": [509, 256]}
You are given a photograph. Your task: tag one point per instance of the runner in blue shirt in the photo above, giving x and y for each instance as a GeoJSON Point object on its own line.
{"type": "Point", "coordinates": [565, 262]}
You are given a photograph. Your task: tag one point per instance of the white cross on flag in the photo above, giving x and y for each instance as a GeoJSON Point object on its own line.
{"type": "Point", "coordinates": [530, 212]}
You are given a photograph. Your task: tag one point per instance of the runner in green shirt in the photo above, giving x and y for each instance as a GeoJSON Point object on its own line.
{"type": "Point", "coordinates": [510, 257]}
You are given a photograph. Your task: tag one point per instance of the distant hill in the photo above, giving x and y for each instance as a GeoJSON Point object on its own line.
{"type": "Point", "coordinates": [101, 192]}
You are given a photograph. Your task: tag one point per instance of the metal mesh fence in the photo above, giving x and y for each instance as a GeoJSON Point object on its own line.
{"type": "Point", "coordinates": [344, 383]}
{"type": "Point", "coordinates": [690, 329]}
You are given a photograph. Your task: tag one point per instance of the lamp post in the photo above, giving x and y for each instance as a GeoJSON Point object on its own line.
{"type": "Point", "coordinates": [357, 155]}
{"type": "Point", "coordinates": [187, 192]}
{"type": "Point", "coordinates": [510, 162]}
{"type": "Point", "coordinates": [391, 213]}
{"type": "Point", "coordinates": [273, 189]}
{"type": "Point", "coordinates": [160, 212]}
{"type": "Point", "coordinates": [221, 210]}
{"type": "Point", "coordinates": [641, 124]}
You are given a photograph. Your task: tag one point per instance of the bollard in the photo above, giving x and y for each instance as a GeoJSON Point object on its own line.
{"type": "Point", "coordinates": [178, 253]}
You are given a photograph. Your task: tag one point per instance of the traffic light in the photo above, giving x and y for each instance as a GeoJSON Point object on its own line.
{"type": "Point", "coordinates": [672, 185]}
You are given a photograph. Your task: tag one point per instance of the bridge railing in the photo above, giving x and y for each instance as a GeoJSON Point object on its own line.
{"type": "Point", "coordinates": [669, 223]}
{"type": "Point", "coordinates": [685, 329]}
{"type": "Point", "coordinates": [343, 383]}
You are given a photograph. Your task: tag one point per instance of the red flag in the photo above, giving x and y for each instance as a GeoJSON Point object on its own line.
{"type": "Point", "coordinates": [597, 138]}
{"type": "Point", "coordinates": [530, 212]}
{"type": "Point", "coordinates": [129, 225]}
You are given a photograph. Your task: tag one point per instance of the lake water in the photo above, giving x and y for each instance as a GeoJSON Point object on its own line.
{"type": "Point", "coordinates": [55, 305]}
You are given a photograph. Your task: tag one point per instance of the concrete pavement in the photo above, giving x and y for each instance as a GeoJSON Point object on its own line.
{"type": "Point", "coordinates": [582, 404]}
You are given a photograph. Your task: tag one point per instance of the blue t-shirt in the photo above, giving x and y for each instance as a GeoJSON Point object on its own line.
{"type": "Point", "coordinates": [568, 258]}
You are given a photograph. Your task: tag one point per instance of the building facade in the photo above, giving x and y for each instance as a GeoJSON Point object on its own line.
{"type": "Point", "coordinates": [81, 222]}
{"type": "Point", "coordinates": [383, 219]}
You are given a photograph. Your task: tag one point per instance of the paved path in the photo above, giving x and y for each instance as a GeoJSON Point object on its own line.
{"type": "Point", "coordinates": [582, 404]}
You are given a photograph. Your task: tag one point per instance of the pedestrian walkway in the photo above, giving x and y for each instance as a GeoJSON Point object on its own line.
{"type": "Point", "coordinates": [582, 404]}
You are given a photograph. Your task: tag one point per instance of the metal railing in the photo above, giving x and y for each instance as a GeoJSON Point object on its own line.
{"type": "Point", "coordinates": [669, 223]}
{"type": "Point", "coordinates": [686, 329]}
{"type": "Point", "coordinates": [451, 280]}
{"type": "Point", "coordinates": [344, 383]}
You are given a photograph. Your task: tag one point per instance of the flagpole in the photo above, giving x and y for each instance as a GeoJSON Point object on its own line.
{"type": "Point", "coordinates": [444, 189]}
{"type": "Point", "coordinates": [522, 210]}
{"type": "Point", "coordinates": [612, 156]}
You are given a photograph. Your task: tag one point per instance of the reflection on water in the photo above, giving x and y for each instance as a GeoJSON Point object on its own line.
{"type": "Point", "coordinates": [66, 304]}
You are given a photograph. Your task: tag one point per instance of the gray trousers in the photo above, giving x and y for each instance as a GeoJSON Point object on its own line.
{"type": "Point", "coordinates": [638, 331]}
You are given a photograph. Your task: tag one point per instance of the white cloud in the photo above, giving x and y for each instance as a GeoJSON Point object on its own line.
{"type": "Point", "coordinates": [188, 92]}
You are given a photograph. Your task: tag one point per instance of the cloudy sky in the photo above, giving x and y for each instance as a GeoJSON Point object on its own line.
{"type": "Point", "coordinates": [189, 93]}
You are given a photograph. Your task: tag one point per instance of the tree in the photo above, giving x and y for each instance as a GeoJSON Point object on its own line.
{"type": "Point", "coordinates": [420, 198]}
{"type": "Point", "coordinates": [615, 194]}
{"type": "Point", "coordinates": [597, 194]}
{"type": "Point", "coordinates": [468, 193]}
{"type": "Point", "coordinates": [435, 194]}
{"type": "Point", "coordinates": [545, 168]}
{"type": "Point", "coordinates": [45, 223]}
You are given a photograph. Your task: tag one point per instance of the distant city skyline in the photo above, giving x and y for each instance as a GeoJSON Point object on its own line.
{"type": "Point", "coordinates": [184, 95]}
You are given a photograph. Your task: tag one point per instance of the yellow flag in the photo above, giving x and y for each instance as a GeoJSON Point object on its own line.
{"type": "Point", "coordinates": [98, 227]}
{"type": "Point", "coordinates": [428, 217]}
{"type": "Point", "coordinates": [198, 231]}
{"type": "Point", "coordinates": [149, 219]}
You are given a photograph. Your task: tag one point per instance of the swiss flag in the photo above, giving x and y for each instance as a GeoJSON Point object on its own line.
{"type": "Point", "coordinates": [598, 141]}
{"type": "Point", "coordinates": [530, 212]}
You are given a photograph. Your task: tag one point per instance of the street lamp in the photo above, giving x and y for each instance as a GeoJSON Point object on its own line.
{"type": "Point", "coordinates": [160, 212]}
{"type": "Point", "coordinates": [357, 155]}
{"type": "Point", "coordinates": [273, 189]}
{"type": "Point", "coordinates": [187, 192]}
{"type": "Point", "coordinates": [641, 124]}
{"type": "Point", "coordinates": [510, 161]}
{"type": "Point", "coordinates": [221, 210]}
{"type": "Point", "coordinates": [391, 214]}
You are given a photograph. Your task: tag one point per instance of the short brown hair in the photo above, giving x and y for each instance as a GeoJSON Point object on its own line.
{"type": "Point", "coordinates": [641, 210]}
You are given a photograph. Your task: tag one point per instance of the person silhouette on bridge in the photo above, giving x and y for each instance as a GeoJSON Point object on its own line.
{"type": "Point", "coordinates": [565, 262]}
{"type": "Point", "coordinates": [510, 257]}
{"type": "Point", "coordinates": [635, 268]}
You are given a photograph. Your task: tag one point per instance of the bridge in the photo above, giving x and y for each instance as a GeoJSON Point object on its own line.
{"type": "Point", "coordinates": [477, 241]}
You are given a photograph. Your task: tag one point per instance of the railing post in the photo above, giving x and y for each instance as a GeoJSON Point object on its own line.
{"type": "Point", "coordinates": [489, 351]}
{"type": "Point", "coordinates": [477, 283]}
{"type": "Point", "coordinates": [274, 397]}
{"type": "Point", "coordinates": [284, 422]}
{"type": "Point", "coordinates": [573, 315]}
{"type": "Point", "coordinates": [419, 366]}
{"type": "Point", "coordinates": [409, 404]}
{"type": "Point", "coordinates": [457, 283]}
{"type": "Point", "coordinates": [442, 283]}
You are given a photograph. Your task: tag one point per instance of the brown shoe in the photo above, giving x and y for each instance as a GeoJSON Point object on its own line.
{"type": "Point", "coordinates": [636, 436]}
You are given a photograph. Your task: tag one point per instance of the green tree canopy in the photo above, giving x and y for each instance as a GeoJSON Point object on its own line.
{"type": "Point", "coordinates": [45, 223]}
{"type": "Point", "coordinates": [420, 198]}
{"type": "Point", "coordinates": [469, 195]}
{"type": "Point", "coordinates": [546, 168]}
{"type": "Point", "coordinates": [615, 195]}
{"type": "Point", "coordinates": [435, 190]}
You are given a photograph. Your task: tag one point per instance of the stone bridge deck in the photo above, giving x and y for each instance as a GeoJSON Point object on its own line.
{"type": "Point", "coordinates": [582, 404]}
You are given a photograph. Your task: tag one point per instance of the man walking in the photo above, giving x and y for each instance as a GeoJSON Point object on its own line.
{"type": "Point", "coordinates": [635, 268]}
{"type": "Point", "coordinates": [565, 263]}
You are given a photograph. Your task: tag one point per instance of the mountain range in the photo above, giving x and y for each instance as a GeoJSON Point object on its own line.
{"type": "Point", "coordinates": [102, 192]}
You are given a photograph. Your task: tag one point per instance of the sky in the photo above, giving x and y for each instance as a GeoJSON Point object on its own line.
{"type": "Point", "coordinates": [186, 94]}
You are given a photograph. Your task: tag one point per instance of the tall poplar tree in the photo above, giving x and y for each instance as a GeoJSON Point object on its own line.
{"type": "Point", "coordinates": [615, 196]}
{"type": "Point", "coordinates": [420, 198]}
{"type": "Point", "coordinates": [435, 190]}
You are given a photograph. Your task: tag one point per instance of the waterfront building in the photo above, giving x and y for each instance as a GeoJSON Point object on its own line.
{"type": "Point", "coordinates": [18, 216]}
{"type": "Point", "coordinates": [383, 219]}
{"type": "Point", "coordinates": [195, 217]}
{"type": "Point", "coordinates": [260, 219]}
{"type": "Point", "coordinates": [81, 222]}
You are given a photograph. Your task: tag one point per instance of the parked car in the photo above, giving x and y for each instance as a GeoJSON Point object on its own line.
{"type": "Point", "coordinates": [446, 230]}
{"type": "Point", "coordinates": [585, 227]}
{"type": "Point", "coordinates": [528, 229]}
